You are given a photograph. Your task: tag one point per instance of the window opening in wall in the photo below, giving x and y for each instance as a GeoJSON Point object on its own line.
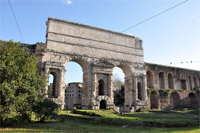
{"type": "Point", "coordinates": [139, 88]}
{"type": "Point", "coordinates": [52, 87]}
{"type": "Point", "coordinates": [190, 82]}
{"type": "Point", "coordinates": [183, 84]}
{"type": "Point", "coordinates": [118, 85]}
{"type": "Point", "coordinates": [195, 82]}
{"type": "Point", "coordinates": [170, 81]}
{"type": "Point", "coordinates": [101, 87]}
{"type": "Point", "coordinates": [199, 83]}
{"type": "Point", "coordinates": [150, 79]}
{"type": "Point", "coordinates": [161, 80]}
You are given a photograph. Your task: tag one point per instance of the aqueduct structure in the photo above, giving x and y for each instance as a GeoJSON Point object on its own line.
{"type": "Point", "coordinates": [97, 51]}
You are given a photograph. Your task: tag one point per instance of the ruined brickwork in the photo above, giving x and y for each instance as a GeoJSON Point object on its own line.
{"type": "Point", "coordinates": [172, 87]}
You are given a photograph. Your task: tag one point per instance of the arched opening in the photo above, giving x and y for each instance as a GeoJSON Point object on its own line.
{"type": "Point", "coordinates": [150, 79]}
{"type": "Point", "coordinates": [126, 90]}
{"type": "Point", "coordinates": [52, 85]}
{"type": "Point", "coordinates": [139, 88]}
{"type": "Point", "coordinates": [192, 101]}
{"type": "Point", "coordinates": [170, 81]}
{"type": "Point", "coordinates": [74, 83]}
{"type": "Point", "coordinates": [195, 82]}
{"type": "Point", "coordinates": [103, 104]}
{"type": "Point", "coordinates": [190, 82]}
{"type": "Point", "coordinates": [175, 100]}
{"type": "Point", "coordinates": [154, 100]}
{"type": "Point", "coordinates": [101, 87]}
{"type": "Point", "coordinates": [161, 80]}
{"type": "Point", "coordinates": [118, 84]}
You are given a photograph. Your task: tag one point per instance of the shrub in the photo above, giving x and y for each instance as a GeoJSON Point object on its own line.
{"type": "Point", "coordinates": [45, 109]}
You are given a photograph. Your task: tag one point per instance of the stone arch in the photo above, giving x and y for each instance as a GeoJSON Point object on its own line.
{"type": "Point", "coordinates": [170, 81]}
{"type": "Point", "coordinates": [154, 100]}
{"type": "Point", "coordinates": [190, 82]}
{"type": "Point", "coordinates": [85, 68]}
{"type": "Point", "coordinates": [139, 90]}
{"type": "Point", "coordinates": [103, 104]}
{"type": "Point", "coordinates": [150, 79]}
{"type": "Point", "coordinates": [100, 87]}
{"type": "Point", "coordinates": [195, 82]}
{"type": "Point", "coordinates": [128, 94]}
{"type": "Point", "coordinates": [192, 100]}
{"type": "Point", "coordinates": [161, 80]}
{"type": "Point", "coordinates": [175, 100]}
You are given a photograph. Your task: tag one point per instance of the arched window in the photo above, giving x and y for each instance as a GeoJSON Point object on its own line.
{"type": "Point", "coordinates": [161, 80]}
{"type": "Point", "coordinates": [195, 82]}
{"type": "Point", "coordinates": [190, 82]}
{"type": "Point", "coordinates": [139, 88]}
{"type": "Point", "coordinates": [150, 79]}
{"type": "Point", "coordinates": [101, 87]}
{"type": "Point", "coordinates": [170, 81]}
{"type": "Point", "coordinates": [52, 88]}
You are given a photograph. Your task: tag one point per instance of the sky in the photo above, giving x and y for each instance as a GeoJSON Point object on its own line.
{"type": "Point", "coordinates": [172, 38]}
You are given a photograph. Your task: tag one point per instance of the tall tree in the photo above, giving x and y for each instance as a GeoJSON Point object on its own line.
{"type": "Point", "coordinates": [20, 85]}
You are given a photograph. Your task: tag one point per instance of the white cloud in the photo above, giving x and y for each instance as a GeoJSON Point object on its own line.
{"type": "Point", "coordinates": [68, 2]}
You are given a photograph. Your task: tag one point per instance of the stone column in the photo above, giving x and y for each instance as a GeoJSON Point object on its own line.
{"type": "Point", "coordinates": [61, 87]}
{"type": "Point", "coordinates": [85, 91]}
{"type": "Point", "coordinates": [128, 92]}
{"type": "Point", "coordinates": [110, 86]}
{"type": "Point", "coordinates": [94, 88]}
{"type": "Point", "coordinates": [144, 87]}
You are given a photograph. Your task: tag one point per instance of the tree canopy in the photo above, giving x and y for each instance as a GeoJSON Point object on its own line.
{"type": "Point", "coordinates": [20, 85]}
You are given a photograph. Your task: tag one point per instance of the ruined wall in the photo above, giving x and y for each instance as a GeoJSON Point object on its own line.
{"type": "Point", "coordinates": [177, 88]}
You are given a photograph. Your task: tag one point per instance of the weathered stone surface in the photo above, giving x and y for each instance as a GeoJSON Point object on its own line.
{"type": "Point", "coordinates": [98, 51]}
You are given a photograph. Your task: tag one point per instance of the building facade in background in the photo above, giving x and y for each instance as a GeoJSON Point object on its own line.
{"type": "Point", "coordinates": [73, 95]}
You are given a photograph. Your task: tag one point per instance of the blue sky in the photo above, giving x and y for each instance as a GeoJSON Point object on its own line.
{"type": "Point", "coordinates": [171, 37]}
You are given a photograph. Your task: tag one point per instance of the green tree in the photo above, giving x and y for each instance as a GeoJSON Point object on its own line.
{"type": "Point", "coordinates": [20, 85]}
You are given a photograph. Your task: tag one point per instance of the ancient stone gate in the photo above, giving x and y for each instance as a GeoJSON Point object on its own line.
{"type": "Point", "coordinates": [98, 51]}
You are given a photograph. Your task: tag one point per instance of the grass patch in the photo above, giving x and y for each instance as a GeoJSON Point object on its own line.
{"type": "Point", "coordinates": [109, 121]}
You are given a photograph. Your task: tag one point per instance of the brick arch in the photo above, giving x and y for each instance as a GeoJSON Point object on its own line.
{"type": "Point", "coordinates": [192, 100]}
{"type": "Point", "coordinates": [175, 100]}
{"type": "Point", "coordinates": [154, 100]}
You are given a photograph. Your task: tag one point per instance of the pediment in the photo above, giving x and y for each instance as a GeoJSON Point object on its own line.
{"type": "Point", "coordinates": [103, 63]}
